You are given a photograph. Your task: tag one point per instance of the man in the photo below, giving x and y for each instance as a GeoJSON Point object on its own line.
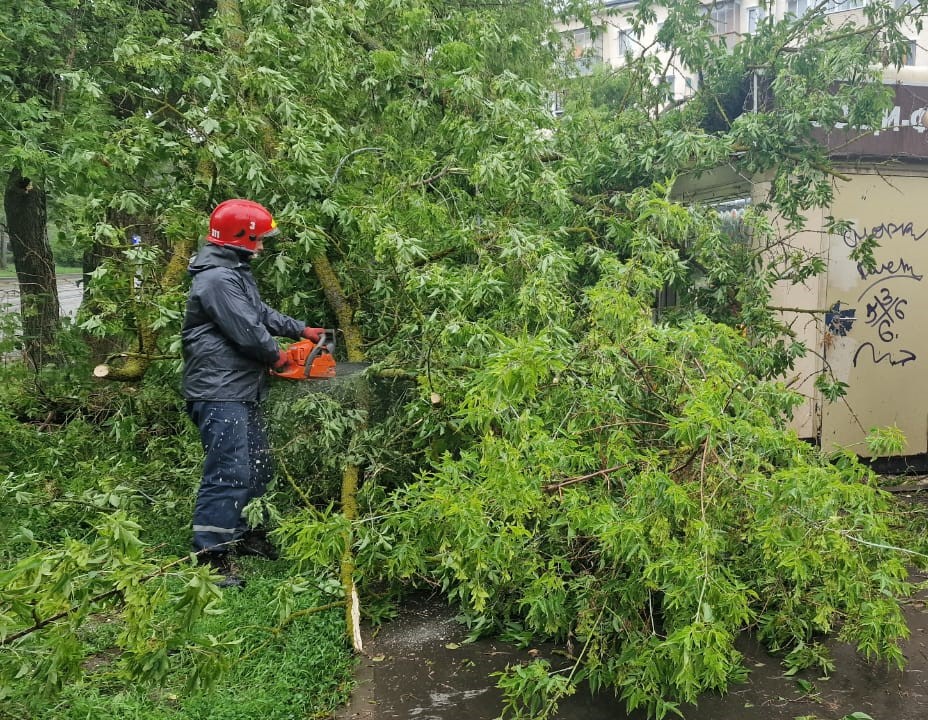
{"type": "Point", "coordinates": [228, 346]}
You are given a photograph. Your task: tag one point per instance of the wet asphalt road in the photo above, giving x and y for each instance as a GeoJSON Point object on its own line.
{"type": "Point", "coordinates": [69, 294]}
{"type": "Point", "coordinates": [419, 667]}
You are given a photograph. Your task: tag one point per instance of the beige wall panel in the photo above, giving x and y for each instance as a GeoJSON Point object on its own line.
{"type": "Point", "coordinates": [807, 326]}
{"type": "Point", "coordinates": [875, 340]}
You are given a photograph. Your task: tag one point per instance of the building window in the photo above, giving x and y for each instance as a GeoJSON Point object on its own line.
{"type": "Point", "coordinates": [627, 43]}
{"type": "Point", "coordinates": [801, 7]}
{"type": "Point", "coordinates": [841, 5]}
{"type": "Point", "coordinates": [910, 53]}
{"type": "Point", "coordinates": [731, 213]}
{"type": "Point", "coordinates": [755, 15]}
{"type": "Point", "coordinates": [725, 17]}
{"type": "Point", "coordinates": [586, 49]}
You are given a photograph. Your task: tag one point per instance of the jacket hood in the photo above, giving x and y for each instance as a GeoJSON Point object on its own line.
{"type": "Point", "coordinates": [213, 256]}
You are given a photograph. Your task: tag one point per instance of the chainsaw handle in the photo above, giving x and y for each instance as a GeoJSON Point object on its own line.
{"type": "Point", "coordinates": [325, 343]}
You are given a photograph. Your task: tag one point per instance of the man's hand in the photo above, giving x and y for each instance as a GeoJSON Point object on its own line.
{"type": "Point", "coordinates": [313, 334]}
{"type": "Point", "coordinates": [283, 362]}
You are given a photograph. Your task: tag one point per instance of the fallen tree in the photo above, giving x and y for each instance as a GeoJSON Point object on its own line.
{"type": "Point", "coordinates": [567, 462]}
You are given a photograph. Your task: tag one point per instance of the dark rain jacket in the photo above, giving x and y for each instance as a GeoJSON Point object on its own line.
{"type": "Point", "coordinates": [228, 333]}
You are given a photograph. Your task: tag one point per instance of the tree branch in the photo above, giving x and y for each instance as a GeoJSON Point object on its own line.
{"type": "Point", "coordinates": [439, 175]}
{"type": "Point", "coordinates": [554, 487]}
{"type": "Point", "coordinates": [10, 639]}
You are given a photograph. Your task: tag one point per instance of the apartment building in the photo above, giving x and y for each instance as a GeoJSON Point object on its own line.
{"type": "Point", "coordinates": [862, 326]}
{"type": "Point", "coordinates": [614, 38]}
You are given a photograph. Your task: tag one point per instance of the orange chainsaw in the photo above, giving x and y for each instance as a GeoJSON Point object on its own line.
{"type": "Point", "coordinates": [311, 360]}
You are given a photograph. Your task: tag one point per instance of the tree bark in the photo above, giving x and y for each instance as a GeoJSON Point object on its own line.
{"type": "Point", "coordinates": [351, 473]}
{"type": "Point", "coordinates": [27, 223]}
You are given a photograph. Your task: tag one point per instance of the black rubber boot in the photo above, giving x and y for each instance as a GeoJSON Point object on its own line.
{"type": "Point", "coordinates": [256, 543]}
{"type": "Point", "coordinates": [221, 564]}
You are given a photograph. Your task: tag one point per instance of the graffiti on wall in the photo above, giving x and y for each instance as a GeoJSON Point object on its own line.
{"type": "Point", "coordinates": [883, 302]}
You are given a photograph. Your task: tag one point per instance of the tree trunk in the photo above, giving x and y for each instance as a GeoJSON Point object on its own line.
{"type": "Point", "coordinates": [136, 363]}
{"type": "Point", "coordinates": [344, 313]}
{"type": "Point", "coordinates": [130, 226]}
{"type": "Point", "coordinates": [26, 217]}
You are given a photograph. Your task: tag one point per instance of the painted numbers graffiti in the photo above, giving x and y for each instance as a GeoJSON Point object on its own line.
{"type": "Point", "coordinates": [883, 312]}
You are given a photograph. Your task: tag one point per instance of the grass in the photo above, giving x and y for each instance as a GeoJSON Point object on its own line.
{"type": "Point", "coordinates": [142, 441]}
{"type": "Point", "coordinates": [10, 272]}
{"type": "Point", "coordinates": [304, 672]}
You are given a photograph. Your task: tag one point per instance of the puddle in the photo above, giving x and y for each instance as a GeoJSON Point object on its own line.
{"type": "Point", "coordinates": [418, 667]}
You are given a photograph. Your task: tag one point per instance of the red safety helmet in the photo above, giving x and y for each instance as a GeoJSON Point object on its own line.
{"type": "Point", "coordinates": [240, 223]}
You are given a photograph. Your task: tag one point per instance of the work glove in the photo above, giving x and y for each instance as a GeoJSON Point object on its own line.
{"type": "Point", "coordinates": [313, 333]}
{"type": "Point", "coordinates": [283, 362]}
